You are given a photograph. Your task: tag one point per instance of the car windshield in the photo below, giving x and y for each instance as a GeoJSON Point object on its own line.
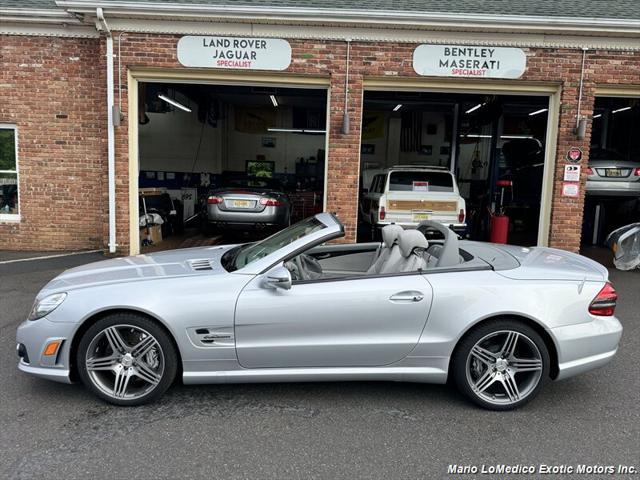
{"type": "Point", "coordinates": [421, 182]}
{"type": "Point", "coordinates": [243, 255]}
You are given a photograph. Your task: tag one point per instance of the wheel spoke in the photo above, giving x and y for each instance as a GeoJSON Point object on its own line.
{"type": "Point", "coordinates": [121, 381]}
{"type": "Point", "coordinates": [485, 381]}
{"type": "Point", "coordinates": [509, 346]}
{"type": "Point", "coordinates": [483, 355]}
{"type": "Point", "coordinates": [102, 363]}
{"type": "Point", "coordinates": [116, 342]}
{"type": "Point", "coordinates": [143, 347]}
{"type": "Point", "coordinates": [145, 372]}
{"type": "Point", "coordinates": [510, 387]}
{"type": "Point", "coordinates": [525, 364]}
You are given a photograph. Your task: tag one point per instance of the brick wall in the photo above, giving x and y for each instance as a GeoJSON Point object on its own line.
{"type": "Point", "coordinates": [53, 90]}
{"type": "Point", "coordinates": [84, 132]}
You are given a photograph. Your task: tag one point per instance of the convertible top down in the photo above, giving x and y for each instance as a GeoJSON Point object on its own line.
{"type": "Point", "coordinates": [498, 320]}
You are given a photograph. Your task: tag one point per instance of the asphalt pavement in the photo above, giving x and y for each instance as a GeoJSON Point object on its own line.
{"type": "Point", "coordinates": [316, 430]}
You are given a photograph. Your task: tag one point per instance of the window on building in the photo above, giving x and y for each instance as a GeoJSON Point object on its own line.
{"type": "Point", "coordinates": [8, 172]}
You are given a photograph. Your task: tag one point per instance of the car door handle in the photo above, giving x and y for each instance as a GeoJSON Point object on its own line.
{"type": "Point", "coordinates": [405, 297]}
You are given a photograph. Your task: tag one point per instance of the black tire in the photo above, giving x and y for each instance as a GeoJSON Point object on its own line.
{"type": "Point", "coordinates": [168, 350]}
{"type": "Point", "coordinates": [463, 350]}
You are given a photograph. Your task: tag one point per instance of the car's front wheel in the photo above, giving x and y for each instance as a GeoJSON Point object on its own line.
{"type": "Point", "coordinates": [501, 364]}
{"type": "Point", "coordinates": [126, 359]}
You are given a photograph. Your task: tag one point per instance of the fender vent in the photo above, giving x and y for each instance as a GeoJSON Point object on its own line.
{"type": "Point", "coordinates": [203, 264]}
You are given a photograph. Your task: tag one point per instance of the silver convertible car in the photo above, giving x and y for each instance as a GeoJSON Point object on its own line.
{"type": "Point", "coordinates": [498, 321]}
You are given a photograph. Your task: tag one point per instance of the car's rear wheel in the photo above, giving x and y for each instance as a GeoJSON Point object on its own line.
{"type": "Point", "coordinates": [126, 359]}
{"type": "Point", "coordinates": [501, 365]}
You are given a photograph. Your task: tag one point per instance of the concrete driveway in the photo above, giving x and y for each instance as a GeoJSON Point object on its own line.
{"type": "Point", "coordinates": [321, 430]}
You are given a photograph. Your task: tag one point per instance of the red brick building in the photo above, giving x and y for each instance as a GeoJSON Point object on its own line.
{"type": "Point", "coordinates": [55, 58]}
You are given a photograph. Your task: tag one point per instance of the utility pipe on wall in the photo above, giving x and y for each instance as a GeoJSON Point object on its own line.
{"type": "Point", "coordinates": [111, 158]}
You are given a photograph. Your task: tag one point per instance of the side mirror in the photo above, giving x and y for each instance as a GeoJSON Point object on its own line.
{"type": "Point", "coordinates": [279, 277]}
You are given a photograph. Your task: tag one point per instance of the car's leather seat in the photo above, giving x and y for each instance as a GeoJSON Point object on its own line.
{"type": "Point", "coordinates": [390, 249]}
{"type": "Point", "coordinates": [413, 256]}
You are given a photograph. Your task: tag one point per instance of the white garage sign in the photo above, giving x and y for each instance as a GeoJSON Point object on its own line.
{"type": "Point", "coordinates": [469, 61]}
{"type": "Point", "coordinates": [234, 52]}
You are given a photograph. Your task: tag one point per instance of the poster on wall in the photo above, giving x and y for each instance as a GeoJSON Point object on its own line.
{"type": "Point", "coordinates": [234, 52]}
{"type": "Point", "coordinates": [570, 189]}
{"type": "Point", "coordinates": [572, 173]}
{"type": "Point", "coordinates": [469, 61]}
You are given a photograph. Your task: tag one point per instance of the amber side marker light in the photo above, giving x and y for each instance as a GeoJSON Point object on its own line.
{"type": "Point", "coordinates": [52, 348]}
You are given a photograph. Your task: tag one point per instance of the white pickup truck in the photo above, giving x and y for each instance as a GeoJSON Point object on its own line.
{"type": "Point", "coordinates": [407, 195]}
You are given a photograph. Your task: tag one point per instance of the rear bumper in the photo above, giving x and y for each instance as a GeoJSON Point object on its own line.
{"type": "Point", "coordinates": [613, 188]}
{"type": "Point", "coordinates": [269, 216]}
{"type": "Point", "coordinates": [456, 227]}
{"type": "Point", "coordinates": [585, 346]}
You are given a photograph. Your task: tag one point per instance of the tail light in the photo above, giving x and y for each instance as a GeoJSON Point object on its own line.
{"type": "Point", "coordinates": [589, 171]}
{"type": "Point", "coordinates": [636, 172]}
{"type": "Point", "coordinates": [604, 304]}
{"type": "Point", "coordinates": [214, 200]}
{"type": "Point", "coordinates": [270, 202]}
{"type": "Point", "coordinates": [461, 215]}
{"type": "Point", "coordinates": [382, 214]}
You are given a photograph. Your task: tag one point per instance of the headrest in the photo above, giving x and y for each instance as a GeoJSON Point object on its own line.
{"type": "Point", "coordinates": [390, 234]}
{"type": "Point", "coordinates": [410, 240]}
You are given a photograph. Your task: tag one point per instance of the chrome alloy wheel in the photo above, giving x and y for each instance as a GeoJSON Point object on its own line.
{"type": "Point", "coordinates": [125, 362]}
{"type": "Point", "coordinates": [504, 367]}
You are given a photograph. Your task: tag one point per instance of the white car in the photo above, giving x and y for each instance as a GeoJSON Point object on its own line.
{"type": "Point", "coordinates": [408, 195]}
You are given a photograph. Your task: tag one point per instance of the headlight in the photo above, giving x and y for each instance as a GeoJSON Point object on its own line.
{"type": "Point", "coordinates": [46, 305]}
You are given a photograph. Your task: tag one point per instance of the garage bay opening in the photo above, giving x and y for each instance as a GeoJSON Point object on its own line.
{"type": "Point", "coordinates": [613, 175]}
{"type": "Point", "coordinates": [223, 162]}
{"type": "Point", "coordinates": [473, 162]}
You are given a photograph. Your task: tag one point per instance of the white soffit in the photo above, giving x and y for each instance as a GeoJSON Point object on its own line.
{"type": "Point", "coordinates": [522, 40]}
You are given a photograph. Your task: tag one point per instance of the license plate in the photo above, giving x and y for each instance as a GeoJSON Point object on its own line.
{"type": "Point", "coordinates": [613, 172]}
{"type": "Point", "coordinates": [242, 204]}
{"type": "Point", "coordinates": [420, 216]}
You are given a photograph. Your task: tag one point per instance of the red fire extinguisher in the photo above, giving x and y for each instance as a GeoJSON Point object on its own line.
{"type": "Point", "coordinates": [499, 221]}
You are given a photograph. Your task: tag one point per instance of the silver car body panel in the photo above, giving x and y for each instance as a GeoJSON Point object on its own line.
{"type": "Point", "coordinates": [625, 183]}
{"type": "Point", "coordinates": [229, 327]}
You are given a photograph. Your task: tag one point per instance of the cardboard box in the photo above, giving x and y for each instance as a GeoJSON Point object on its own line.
{"type": "Point", "coordinates": [152, 232]}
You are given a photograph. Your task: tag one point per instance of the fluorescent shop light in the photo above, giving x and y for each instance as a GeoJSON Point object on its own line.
{"type": "Point", "coordinates": [397, 107]}
{"type": "Point", "coordinates": [273, 100]}
{"type": "Point", "coordinates": [621, 110]}
{"type": "Point", "coordinates": [597, 116]}
{"type": "Point", "coordinates": [542, 110]}
{"type": "Point", "coordinates": [294, 130]}
{"type": "Point", "coordinates": [473, 109]}
{"type": "Point", "coordinates": [475, 135]}
{"type": "Point", "coordinates": [516, 137]}
{"type": "Point", "coordinates": [174, 103]}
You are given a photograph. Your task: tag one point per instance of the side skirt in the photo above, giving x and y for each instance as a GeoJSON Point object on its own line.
{"type": "Point", "coordinates": [318, 374]}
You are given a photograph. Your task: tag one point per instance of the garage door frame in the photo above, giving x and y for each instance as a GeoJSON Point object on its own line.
{"type": "Point", "coordinates": [134, 76]}
{"type": "Point", "coordinates": [551, 90]}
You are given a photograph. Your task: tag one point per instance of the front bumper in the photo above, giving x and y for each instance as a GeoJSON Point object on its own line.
{"type": "Point", "coordinates": [34, 336]}
{"type": "Point", "coordinates": [585, 346]}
